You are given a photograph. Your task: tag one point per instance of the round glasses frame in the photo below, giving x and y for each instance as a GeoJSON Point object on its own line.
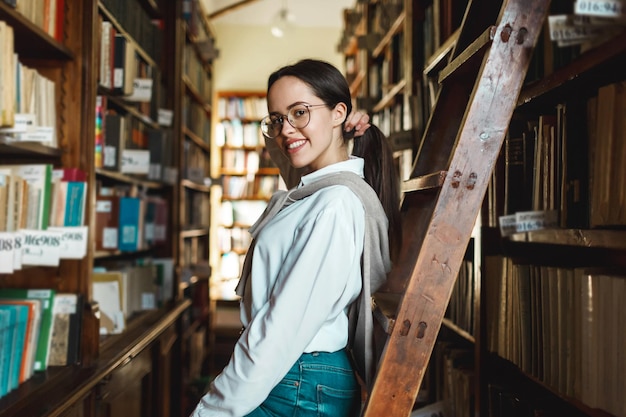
{"type": "Point", "coordinates": [298, 117]}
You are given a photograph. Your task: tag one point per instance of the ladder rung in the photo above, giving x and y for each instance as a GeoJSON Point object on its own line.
{"type": "Point", "coordinates": [424, 182]}
{"type": "Point", "coordinates": [385, 306]}
{"type": "Point", "coordinates": [470, 52]}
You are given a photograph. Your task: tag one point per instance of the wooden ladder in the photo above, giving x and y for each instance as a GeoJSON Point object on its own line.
{"type": "Point", "coordinates": [441, 201]}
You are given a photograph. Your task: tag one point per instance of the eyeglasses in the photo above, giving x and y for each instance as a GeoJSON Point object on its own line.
{"type": "Point", "coordinates": [298, 116]}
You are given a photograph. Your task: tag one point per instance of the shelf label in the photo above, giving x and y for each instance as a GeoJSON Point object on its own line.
{"type": "Point", "coordinates": [528, 221]}
{"type": "Point", "coordinates": [563, 28]}
{"type": "Point", "coordinates": [142, 90]}
{"type": "Point", "coordinates": [508, 225]}
{"type": "Point", "coordinates": [41, 247]}
{"type": "Point", "coordinates": [73, 241]}
{"type": "Point", "coordinates": [605, 8]}
{"type": "Point", "coordinates": [22, 123]}
{"type": "Point", "coordinates": [135, 161]}
{"type": "Point", "coordinates": [109, 238]}
{"type": "Point", "coordinates": [165, 117]}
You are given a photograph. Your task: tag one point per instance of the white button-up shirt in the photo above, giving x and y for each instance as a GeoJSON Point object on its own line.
{"type": "Point", "coordinates": [306, 270]}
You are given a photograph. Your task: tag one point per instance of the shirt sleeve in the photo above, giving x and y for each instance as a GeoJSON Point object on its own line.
{"type": "Point", "coordinates": [313, 287]}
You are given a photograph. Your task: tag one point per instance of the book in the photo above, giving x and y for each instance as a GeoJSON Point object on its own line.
{"type": "Point", "coordinates": [46, 296]}
{"type": "Point", "coordinates": [68, 203]}
{"type": "Point", "coordinates": [39, 180]}
{"type": "Point", "coordinates": [107, 36]}
{"type": "Point", "coordinates": [164, 271]}
{"type": "Point", "coordinates": [75, 203]}
{"type": "Point", "coordinates": [109, 292]}
{"type": "Point", "coordinates": [160, 146]}
{"type": "Point", "coordinates": [15, 347]}
{"type": "Point", "coordinates": [124, 65]}
{"type": "Point", "coordinates": [66, 329]}
{"type": "Point", "coordinates": [107, 222]}
{"type": "Point", "coordinates": [115, 137]}
{"type": "Point", "coordinates": [141, 289]}
{"type": "Point", "coordinates": [129, 221]}
{"type": "Point", "coordinates": [8, 322]}
{"type": "Point", "coordinates": [31, 334]}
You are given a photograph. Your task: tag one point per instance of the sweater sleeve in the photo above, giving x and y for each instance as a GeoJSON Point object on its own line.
{"type": "Point", "coordinates": [290, 175]}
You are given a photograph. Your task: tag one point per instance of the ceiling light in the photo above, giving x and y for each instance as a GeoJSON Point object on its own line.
{"type": "Point", "coordinates": [282, 22]}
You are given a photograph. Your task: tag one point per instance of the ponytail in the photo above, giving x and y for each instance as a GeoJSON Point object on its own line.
{"type": "Point", "coordinates": [380, 174]}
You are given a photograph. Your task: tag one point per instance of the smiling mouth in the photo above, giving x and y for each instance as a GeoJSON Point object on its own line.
{"type": "Point", "coordinates": [296, 144]}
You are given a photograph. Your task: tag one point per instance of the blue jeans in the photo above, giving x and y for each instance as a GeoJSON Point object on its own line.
{"type": "Point", "coordinates": [319, 384]}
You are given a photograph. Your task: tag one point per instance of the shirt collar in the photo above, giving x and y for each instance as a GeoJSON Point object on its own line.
{"type": "Point", "coordinates": [354, 164]}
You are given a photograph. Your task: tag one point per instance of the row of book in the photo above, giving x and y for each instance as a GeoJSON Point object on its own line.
{"type": "Point", "coordinates": [246, 108]}
{"type": "Point", "coordinates": [129, 222]}
{"type": "Point", "coordinates": [240, 160]}
{"type": "Point", "coordinates": [196, 164]}
{"type": "Point", "coordinates": [242, 187]}
{"type": "Point", "coordinates": [195, 118]}
{"type": "Point", "coordinates": [127, 145]}
{"type": "Point", "coordinates": [49, 15]}
{"type": "Point", "coordinates": [42, 215]}
{"type": "Point", "coordinates": [196, 213]}
{"type": "Point", "coordinates": [460, 308]}
{"type": "Point", "coordinates": [241, 213]}
{"type": "Point", "coordinates": [124, 73]}
{"type": "Point", "coordinates": [197, 72]}
{"type": "Point", "coordinates": [562, 326]}
{"type": "Point", "coordinates": [235, 133]}
{"type": "Point", "coordinates": [235, 239]}
{"type": "Point", "coordinates": [126, 290]}
{"type": "Point", "coordinates": [568, 162]}
{"type": "Point", "coordinates": [37, 196]}
{"type": "Point", "coordinates": [394, 118]}
{"type": "Point", "coordinates": [38, 328]}
{"type": "Point", "coordinates": [27, 99]}
{"type": "Point", "coordinates": [134, 20]}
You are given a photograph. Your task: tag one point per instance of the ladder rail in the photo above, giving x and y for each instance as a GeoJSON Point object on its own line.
{"type": "Point", "coordinates": [434, 262]}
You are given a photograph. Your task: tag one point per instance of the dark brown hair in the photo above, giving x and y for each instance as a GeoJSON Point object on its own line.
{"type": "Point", "coordinates": [329, 84]}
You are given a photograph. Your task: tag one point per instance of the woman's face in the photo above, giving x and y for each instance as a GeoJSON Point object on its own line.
{"type": "Point", "coordinates": [320, 142]}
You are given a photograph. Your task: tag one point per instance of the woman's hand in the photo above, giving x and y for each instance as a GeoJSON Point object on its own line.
{"type": "Point", "coordinates": [358, 122]}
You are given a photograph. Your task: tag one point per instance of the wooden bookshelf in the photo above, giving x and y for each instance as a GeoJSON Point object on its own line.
{"type": "Point", "coordinates": [131, 373]}
{"type": "Point", "coordinates": [563, 83]}
{"type": "Point", "coordinates": [240, 167]}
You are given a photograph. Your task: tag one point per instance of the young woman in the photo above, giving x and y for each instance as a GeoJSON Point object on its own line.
{"type": "Point", "coordinates": [306, 281]}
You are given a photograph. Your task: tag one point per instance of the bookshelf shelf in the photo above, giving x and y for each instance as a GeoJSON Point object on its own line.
{"type": "Point", "coordinates": [194, 232]}
{"type": "Point", "coordinates": [193, 91]}
{"type": "Point", "coordinates": [439, 57]}
{"type": "Point", "coordinates": [580, 76]}
{"type": "Point", "coordinates": [34, 42]}
{"type": "Point", "coordinates": [471, 55]}
{"type": "Point", "coordinates": [389, 96]}
{"type": "Point", "coordinates": [34, 149]}
{"type": "Point", "coordinates": [196, 187]}
{"type": "Point", "coordinates": [128, 107]}
{"type": "Point", "coordinates": [129, 179]}
{"type": "Point", "coordinates": [608, 239]}
{"type": "Point", "coordinates": [59, 389]}
{"type": "Point", "coordinates": [457, 330]}
{"type": "Point", "coordinates": [113, 19]}
{"type": "Point", "coordinates": [395, 28]}
{"type": "Point", "coordinates": [197, 140]}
